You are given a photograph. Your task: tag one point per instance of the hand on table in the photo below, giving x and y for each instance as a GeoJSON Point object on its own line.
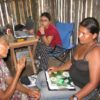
{"type": "Point", "coordinates": [53, 69]}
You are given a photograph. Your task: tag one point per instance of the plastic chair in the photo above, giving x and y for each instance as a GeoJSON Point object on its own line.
{"type": "Point", "coordinates": [61, 52]}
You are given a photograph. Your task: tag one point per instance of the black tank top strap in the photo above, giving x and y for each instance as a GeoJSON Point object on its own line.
{"type": "Point", "coordinates": [90, 49]}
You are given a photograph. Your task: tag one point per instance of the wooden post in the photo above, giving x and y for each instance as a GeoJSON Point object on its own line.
{"type": "Point", "coordinates": [31, 56]}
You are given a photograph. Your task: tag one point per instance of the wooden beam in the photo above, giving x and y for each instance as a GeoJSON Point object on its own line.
{"type": "Point", "coordinates": [17, 11]}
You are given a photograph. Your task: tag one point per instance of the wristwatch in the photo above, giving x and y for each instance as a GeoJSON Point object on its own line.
{"type": "Point", "coordinates": [75, 97]}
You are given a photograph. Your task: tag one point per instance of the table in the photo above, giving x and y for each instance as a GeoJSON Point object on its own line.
{"type": "Point", "coordinates": [27, 43]}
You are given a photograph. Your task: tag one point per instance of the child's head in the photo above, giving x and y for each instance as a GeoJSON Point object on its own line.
{"type": "Point", "coordinates": [9, 30]}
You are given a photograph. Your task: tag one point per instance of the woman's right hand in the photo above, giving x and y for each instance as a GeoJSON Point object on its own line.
{"type": "Point", "coordinates": [21, 64]}
{"type": "Point", "coordinates": [53, 69]}
{"type": "Point", "coordinates": [41, 29]}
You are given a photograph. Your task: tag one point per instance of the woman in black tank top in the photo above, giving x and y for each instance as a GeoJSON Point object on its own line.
{"type": "Point", "coordinates": [79, 70]}
{"type": "Point", "coordinates": [84, 67]}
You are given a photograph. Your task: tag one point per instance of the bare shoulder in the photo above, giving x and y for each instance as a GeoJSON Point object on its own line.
{"type": "Point", "coordinates": [95, 52]}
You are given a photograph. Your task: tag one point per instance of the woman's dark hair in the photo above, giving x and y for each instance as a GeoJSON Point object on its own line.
{"type": "Point", "coordinates": [91, 24]}
{"type": "Point", "coordinates": [46, 14]}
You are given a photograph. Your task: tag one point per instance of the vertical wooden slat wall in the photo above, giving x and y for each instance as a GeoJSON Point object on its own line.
{"type": "Point", "coordinates": [61, 10]}
{"type": "Point", "coordinates": [19, 10]}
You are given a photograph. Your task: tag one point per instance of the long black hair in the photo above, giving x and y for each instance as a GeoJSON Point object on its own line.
{"type": "Point", "coordinates": [91, 24]}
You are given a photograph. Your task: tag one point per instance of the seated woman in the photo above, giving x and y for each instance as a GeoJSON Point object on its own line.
{"type": "Point", "coordinates": [49, 37]}
{"type": "Point", "coordinates": [84, 67]}
{"type": "Point", "coordinates": [8, 84]}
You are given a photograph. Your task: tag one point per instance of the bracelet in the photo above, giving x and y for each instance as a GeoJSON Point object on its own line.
{"type": "Point", "coordinates": [75, 97]}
